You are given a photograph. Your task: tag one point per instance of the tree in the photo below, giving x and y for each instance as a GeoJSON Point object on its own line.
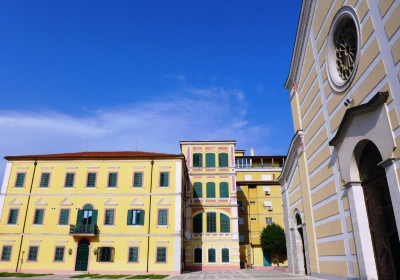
{"type": "Point", "coordinates": [273, 238]}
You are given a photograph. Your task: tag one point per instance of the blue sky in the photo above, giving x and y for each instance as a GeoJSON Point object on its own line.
{"type": "Point", "coordinates": [112, 72]}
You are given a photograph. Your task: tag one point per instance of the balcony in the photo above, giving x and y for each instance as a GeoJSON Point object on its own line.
{"type": "Point", "coordinates": [85, 230]}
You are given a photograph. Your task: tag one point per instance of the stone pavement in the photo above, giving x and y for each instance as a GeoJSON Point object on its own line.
{"type": "Point", "coordinates": [199, 275]}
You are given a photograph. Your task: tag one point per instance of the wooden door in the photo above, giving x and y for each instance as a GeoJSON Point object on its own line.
{"type": "Point", "coordinates": [82, 258]}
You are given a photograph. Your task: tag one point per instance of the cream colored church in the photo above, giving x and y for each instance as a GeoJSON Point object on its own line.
{"type": "Point", "coordinates": [340, 184]}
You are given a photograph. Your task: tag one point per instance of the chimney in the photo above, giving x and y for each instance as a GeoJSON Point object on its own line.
{"type": "Point", "coordinates": [252, 152]}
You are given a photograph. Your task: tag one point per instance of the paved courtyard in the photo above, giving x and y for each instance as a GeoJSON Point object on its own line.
{"type": "Point", "coordinates": [242, 274]}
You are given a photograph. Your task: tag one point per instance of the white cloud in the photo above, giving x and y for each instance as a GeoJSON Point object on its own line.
{"type": "Point", "coordinates": [190, 114]}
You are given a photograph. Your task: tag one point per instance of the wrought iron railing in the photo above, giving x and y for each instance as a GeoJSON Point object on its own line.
{"type": "Point", "coordinates": [83, 229]}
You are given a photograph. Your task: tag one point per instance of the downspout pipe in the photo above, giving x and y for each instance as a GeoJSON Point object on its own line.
{"type": "Point", "coordinates": [26, 215]}
{"type": "Point", "coordinates": [148, 228]}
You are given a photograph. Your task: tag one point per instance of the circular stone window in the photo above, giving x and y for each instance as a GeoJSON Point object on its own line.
{"type": "Point", "coordinates": [343, 48]}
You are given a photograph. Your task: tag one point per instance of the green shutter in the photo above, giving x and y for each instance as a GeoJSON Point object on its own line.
{"type": "Point", "coordinates": [224, 223]}
{"type": "Point", "coordinates": [112, 180]}
{"type": "Point", "coordinates": [6, 253]}
{"type": "Point", "coordinates": [91, 180]}
{"type": "Point", "coordinates": [164, 179]}
{"type": "Point", "coordinates": [38, 220]}
{"type": "Point", "coordinates": [211, 255]}
{"type": "Point", "coordinates": [223, 190]}
{"type": "Point", "coordinates": [197, 190]}
{"type": "Point", "coordinates": [32, 255]}
{"type": "Point", "coordinates": [198, 223]}
{"type": "Point", "coordinates": [59, 254]}
{"type": "Point", "coordinates": [141, 218]}
{"type": "Point", "coordinates": [64, 214]}
{"type": "Point", "coordinates": [129, 220]}
{"type": "Point", "coordinates": [162, 217]}
{"type": "Point", "coordinates": [198, 255]}
{"type": "Point", "coordinates": [12, 218]}
{"type": "Point", "coordinates": [210, 190]}
{"type": "Point", "coordinates": [225, 255]}
{"type": "Point", "coordinates": [109, 219]}
{"type": "Point", "coordinates": [210, 160]}
{"type": "Point", "coordinates": [79, 217]}
{"type": "Point", "coordinates": [69, 180]}
{"type": "Point", "coordinates": [161, 254]}
{"type": "Point", "coordinates": [223, 160]}
{"type": "Point", "coordinates": [137, 179]}
{"type": "Point", "coordinates": [197, 160]}
{"type": "Point", "coordinates": [211, 222]}
{"type": "Point", "coordinates": [94, 217]}
{"type": "Point", "coordinates": [19, 183]}
{"type": "Point", "coordinates": [44, 181]}
{"type": "Point", "coordinates": [133, 254]}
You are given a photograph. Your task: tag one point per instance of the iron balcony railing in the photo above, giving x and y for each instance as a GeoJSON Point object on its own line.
{"type": "Point", "coordinates": [83, 229]}
{"type": "Point", "coordinates": [259, 166]}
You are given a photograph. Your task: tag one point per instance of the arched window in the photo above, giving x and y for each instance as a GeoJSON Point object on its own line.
{"type": "Point", "coordinates": [223, 160]}
{"type": "Point", "coordinates": [198, 255]}
{"type": "Point", "coordinates": [224, 222]}
{"type": "Point", "coordinates": [197, 160]}
{"type": "Point", "coordinates": [210, 190]}
{"type": "Point", "coordinates": [197, 190]}
{"type": "Point", "coordinates": [211, 255]}
{"type": "Point", "coordinates": [225, 255]}
{"type": "Point", "coordinates": [198, 223]}
{"type": "Point", "coordinates": [210, 160]}
{"type": "Point", "coordinates": [223, 190]}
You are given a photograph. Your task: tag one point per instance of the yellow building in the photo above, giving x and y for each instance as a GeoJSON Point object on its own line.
{"type": "Point", "coordinates": [260, 204]}
{"type": "Point", "coordinates": [211, 214]}
{"type": "Point", "coordinates": [100, 212]}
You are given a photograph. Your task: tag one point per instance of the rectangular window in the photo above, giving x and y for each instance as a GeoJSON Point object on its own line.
{"type": "Point", "coordinates": [241, 221]}
{"type": "Point", "coordinates": [105, 254]}
{"type": "Point", "coordinates": [211, 222]}
{"type": "Point", "coordinates": [198, 255]}
{"type": "Point", "coordinates": [210, 160]}
{"type": "Point", "coordinates": [223, 159]}
{"type": "Point", "coordinates": [44, 180]}
{"type": "Point", "coordinates": [197, 190]}
{"type": "Point", "coordinates": [241, 238]}
{"type": "Point", "coordinates": [20, 181]}
{"type": "Point", "coordinates": [137, 179]}
{"type": "Point", "coordinates": [38, 219]}
{"type": "Point", "coordinates": [64, 217]}
{"type": "Point", "coordinates": [161, 254]}
{"type": "Point", "coordinates": [6, 253]}
{"type": "Point", "coordinates": [225, 255]}
{"type": "Point", "coordinates": [112, 179]}
{"type": "Point", "coordinates": [133, 254]}
{"type": "Point", "coordinates": [12, 217]}
{"type": "Point", "coordinates": [197, 160]}
{"type": "Point", "coordinates": [69, 180]}
{"type": "Point", "coordinates": [59, 254]}
{"type": "Point", "coordinates": [211, 255]}
{"type": "Point", "coordinates": [33, 253]}
{"type": "Point", "coordinates": [268, 220]}
{"type": "Point", "coordinates": [91, 180]}
{"type": "Point", "coordinates": [162, 217]}
{"type": "Point", "coordinates": [240, 204]}
{"type": "Point", "coordinates": [135, 217]}
{"type": "Point", "coordinates": [109, 217]}
{"type": "Point", "coordinates": [164, 179]}
{"type": "Point", "coordinates": [223, 190]}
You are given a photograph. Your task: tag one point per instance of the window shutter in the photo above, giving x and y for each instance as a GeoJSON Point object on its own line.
{"type": "Point", "coordinates": [69, 180]}
{"type": "Point", "coordinates": [224, 223]}
{"type": "Point", "coordinates": [210, 190]}
{"type": "Point", "coordinates": [15, 216]}
{"type": "Point", "coordinates": [137, 180]}
{"type": "Point", "coordinates": [141, 218]}
{"type": "Point", "coordinates": [129, 221]}
{"type": "Point", "coordinates": [164, 176]}
{"type": "Point", "coordinates": [44, 182]}
{"type": "Point", "coordinates": [225, 255]}
{"type": "Point", "coordinates": [98, 254]}
{"type": "Point", "coordinates": [41, 216]}
{"type": "Point", "coordinates": [223, 190]}
{"type": "Point", "coordinates": [112, 180]}
{"type": "Point", "coordinates": [112, 254]}
{"type": "Point", "coordinates": [210, 160]}
{"type": "Point", "coordinates": [197, 190]}
{"type": "Point", "coordinates": [20, 180]}
{"type": "Point", "coordinates": [94, 217]}
{"type": "Point", "coordinates": [198, 258]}
{"type": "Point", "coordinates": [64, 217]}
{"type": "Point", "coordinates": [38, 220]}
{"type": "Point", "coordinates": [211, 255]}
{"type": "Point", "coordinates": [197, 160]}
{"type": "Point", "coordinates": [211, 222]}
{"type": "Point", "coordinates": [79, 218]}
{"type": "Point", "coordinates": [91, 180]}
{"type": "Point", "coordinates": [223, 159]}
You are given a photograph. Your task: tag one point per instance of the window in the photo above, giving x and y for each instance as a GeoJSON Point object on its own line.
{"type": "Point", "coordinates": [225, 255]}
{"type": "Point", "coordinates": [105, 254]}
{"type": "Point", "coordinates": [33, 252]}
{"type": "Point", "coordinates": [12, 217]}
{"type": "Point", "coordinates": [19, 182]}
{"type": "Point", "coordinates": [210, 160]}
{"type": "Point", "coordinates": [243, 163]}
{"type": "Point", "coordinates": [240, 221]}
{"type": "Point", "coordinates": [135, 217]}
{"type": "Point", "coordinates": [44, 180]}
{"type": "Point", "coordinates": [210, 190]}
{"type": "Point", "coordinates": [247, 177]}
{"type": "Point", "coordinates": [198, 223]}
{"type": "Point", "coordinates": [38, 218]}
{"type": "Point", "coordinates": [240, 203]}
{"type": "Point", "coordinates": [266, 177]}
{"type": "Point", "coordinates": [133, 254]}
{"type": "Point", "coordinates": [198, 255]}
{"type": "Point", "coordinates": [268, 220]}
{"type": "Point", "coordinates": [6, 253]}
{"type": "Point", "coordinates": [197, 160]}
{"type": "Point", "coordinates": [241, 238]}
{"type": "Point", "coordinates": [137, 179]}
{"type": "Point", "coordinates": [161, 254]}
{"type": "Point", "coordinates": [197, 190]}
{"type": "Point", "coordinates": [211, 255]}
{"type": "Point", "coordinates": [164, 179]}
{"type": "Point", "coordinates": [59, 254]}
{"type": "Point", "coordinates": [224, 223]}
{"type": "Point", "coordinates": [211, 222]}
{"type": "Point", "coordinates": [112, 179]}
{"type": "Point", "coordinates": [69, 180]}
{"type": "Point", "coordinates": [223, 190]}
{"type": "Point", "coordinates": [162, 217]}
{"type": "Point", "coordinates": [91, 180]}
{"type": "Point", "coordinates": [109, 217]}
{"type": "Point", "coordinates": [64, 217]}
{"type": "Point", "coordinates": [223, 159]}
{"type": "Point", "coordinates": [253, 219]}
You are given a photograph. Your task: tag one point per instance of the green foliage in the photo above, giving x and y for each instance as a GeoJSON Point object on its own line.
{"type": "Point", "coordinates": [273, 238]}
{"type": "Point", "coordinates": [83, 275]}
{"type": "Point", "coordinates": [148, 276]}
{"type": "Point", "coordinates": [106, 276]}
{"type": "Point", "coordinates": [21, 275]}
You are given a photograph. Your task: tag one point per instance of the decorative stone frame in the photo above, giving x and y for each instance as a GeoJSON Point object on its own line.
{"type": "Point", "coordinates": [342, 16]}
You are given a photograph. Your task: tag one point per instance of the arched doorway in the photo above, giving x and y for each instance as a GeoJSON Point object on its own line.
{"type": "Point", "coordinates": [299, 226]}
{"type": "Point", "coordinates": [82, 255]}
{"type": "Point", "coordinates": [382, 224]}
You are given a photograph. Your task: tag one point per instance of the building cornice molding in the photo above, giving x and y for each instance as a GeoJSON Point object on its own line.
{"type": "Point", "coordinates": [300, 45]}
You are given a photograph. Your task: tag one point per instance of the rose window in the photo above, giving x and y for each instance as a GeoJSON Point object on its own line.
{"type": "Point", "coordinates": [346, 49]}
